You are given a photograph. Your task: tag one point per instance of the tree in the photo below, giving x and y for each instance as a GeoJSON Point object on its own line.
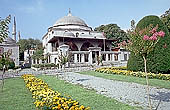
{"type": "Point", "coordinates": [27, 44]}
{"type": "Point", "coordinates": [113, 31]}
{"type": "Point", "coordinates": [159, 60]}
{"type": "Point", "coordinates": [63, 59]}
{"type": "Point", "coordinates": [142, 42]}
{"type": "Point", "coordinates": [3, 34]}
{"type": "Point", "coordinates": [166, 19]}
{"type": "Point", "coordinates": [5, 61]}
{"type": "Point", "coordinates": [38, 55]}
{"type": "Point", "coordinates": [4, 27]}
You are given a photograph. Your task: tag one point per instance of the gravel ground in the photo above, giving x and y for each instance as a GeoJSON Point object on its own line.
{"type": "Point", "coordinates": [130, 93]}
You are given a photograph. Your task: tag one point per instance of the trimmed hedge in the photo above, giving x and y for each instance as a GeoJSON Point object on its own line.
{"type": "Point", "coordinates": [158, 61]}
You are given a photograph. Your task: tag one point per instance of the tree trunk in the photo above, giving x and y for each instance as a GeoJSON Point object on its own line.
{"type": "Point", "coordinates": [3, 77]}
{"type": "Point", "coordinates": [147, 82]}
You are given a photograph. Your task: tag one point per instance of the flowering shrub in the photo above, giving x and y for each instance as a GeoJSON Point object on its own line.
{"type": "Point", "coordinates": [47, 99]}
{"type": "Point", "coordinates": [136, 74]}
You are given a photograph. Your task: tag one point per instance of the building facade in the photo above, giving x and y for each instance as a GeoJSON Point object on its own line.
{"type": "Point", "coordinates": [84, 45]}
{"type": "Point", "coordinates": [10, 45]}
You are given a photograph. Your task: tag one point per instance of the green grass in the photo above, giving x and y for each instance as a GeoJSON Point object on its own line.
{"type": "Point", "coordinates": [85, 97]}
{"type": "Point", "coordinates": [153, 82]}
{"type": "Point", "coordinates": [15, 95]}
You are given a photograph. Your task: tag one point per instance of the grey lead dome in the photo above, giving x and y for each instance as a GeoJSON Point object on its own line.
{"type": "Point", "coordinates": [70, 20]}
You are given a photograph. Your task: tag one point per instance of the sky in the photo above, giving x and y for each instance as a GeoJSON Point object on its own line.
{"type": "Point", "coordinates": [33, 17]}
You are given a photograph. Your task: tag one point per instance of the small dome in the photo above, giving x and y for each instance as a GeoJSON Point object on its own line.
{"type": "Point", "coordinates": [70, 20]}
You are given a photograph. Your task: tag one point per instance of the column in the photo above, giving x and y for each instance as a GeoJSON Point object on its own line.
{"type": "Point", "coordinates": [113, 57]}
{"type": "Point", "coordinates": [75, 58]}
{"type": "Point", "coordinates": [119, 56]}
{"type": "Point", "coordinates": [79, 58]}
{"type": "Point", "coordinates": [35, 61]}
{"type": "Point", "coordinates": [90, 58]}
{"type": "Point", "coordinates": [106, 57]}
{"type": "Point", "coordinates": [50, 47]}
{"type": "Point", "coordinates": [82, 58]}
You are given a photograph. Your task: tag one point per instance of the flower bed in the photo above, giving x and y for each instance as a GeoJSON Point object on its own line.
{"type": "Point", "coordinates": [114, 70]}
{"type": "Point", "coordinates": [47, 99]}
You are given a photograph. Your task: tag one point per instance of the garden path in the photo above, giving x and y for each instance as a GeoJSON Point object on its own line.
{"type": "Point", "coordinates": [130, 93]}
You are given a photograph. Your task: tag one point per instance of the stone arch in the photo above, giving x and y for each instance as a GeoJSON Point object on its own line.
{"type": "Point", "coordinates": [72, 46]}
{"type": "Point", "coordinates": [85, 46]}
{"type": "Point", "coordinates": [106, 47]}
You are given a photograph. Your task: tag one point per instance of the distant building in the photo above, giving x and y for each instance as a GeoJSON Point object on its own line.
{"type": "Point", "coordinates": [28, 54]}
{"type": "Point", "coordinates": [84, 45]}
{"type": "Point", "coordinates": [10, 45]}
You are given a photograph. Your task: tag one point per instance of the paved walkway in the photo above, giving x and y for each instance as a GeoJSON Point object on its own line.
{"type": "Point", "coordinates": [130, 93]}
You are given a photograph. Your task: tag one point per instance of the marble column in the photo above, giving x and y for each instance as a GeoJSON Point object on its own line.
{"type": "Point", "coordinates": [82, 58]}
{"type": "Point", "coordinates": [107, 57]}
{"type": "Point", "coordinates": [119, 56]}
{"type": "Point", "coordinates": [90, 58]}
{"type": "Point", "coordinates": [75, 58]}
{"type": "Point", "coordinates": [113, 57]}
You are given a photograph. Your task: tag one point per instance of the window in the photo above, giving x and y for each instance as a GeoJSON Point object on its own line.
{"type": "Point", "coordinates": [104, 57]}
{"type": "Point", "coordinates": [78, 57]}
{"type": "Point", "coordinates": [86, 56]}
{"type": "Point", "coordinates": [77, 34]}
{"type": "Point", "coordinates": [116, 57]}
{"type": "Point", "coordinates": [109, 57]}
{"type": "Point", "coordinates": [125, 57]}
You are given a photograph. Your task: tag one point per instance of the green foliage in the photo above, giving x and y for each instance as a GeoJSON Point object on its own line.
{"type": "Point", "coordinates": [86, 97]}
{"type": "Point", "coordinates": [63, 59]}
{"type": "Point", "coordinates": [5, 60]}
{"type": "Point", "coordinates": [38, 54]}
{"type": "Point", "coordinates": [11, 65]}
{"type": "Point", "coordinates": [166, 19]}
{"type": "Point", "coordinates": [26, 44]}
{"type": "Point", "coordinates": [4, 28]}
{"type": "Point", "coordinates": [113, 31]}
{"type": "Point", "coordinates": [16, 95]}
{"type": "Point", "coordinates": [158, 60]}
{"type": "Point", "coordinates": [153, 82]}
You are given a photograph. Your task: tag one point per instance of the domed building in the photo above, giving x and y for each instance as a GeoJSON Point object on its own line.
{"type": "Point", "coordinates": [83, 44]}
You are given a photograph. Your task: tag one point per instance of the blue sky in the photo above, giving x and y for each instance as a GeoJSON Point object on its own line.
{"type": "Point", "coordinates": [33, 17]}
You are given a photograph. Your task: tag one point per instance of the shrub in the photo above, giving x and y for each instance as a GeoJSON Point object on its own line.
{"type": "Point", "coordinates": [11, 65]}
{"type": "Point", "coordinates": [158, 60]}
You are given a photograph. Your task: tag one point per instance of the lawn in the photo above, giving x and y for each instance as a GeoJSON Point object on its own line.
{"type": "Point", "coordinates": [15, 95]}
{"type": "Point", "coordinates": [153, 82]}
{"type": "Point", "coordinates": [85, 97]}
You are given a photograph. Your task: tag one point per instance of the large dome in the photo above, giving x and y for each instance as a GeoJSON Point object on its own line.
{"type": "Point", "coordinates": [70, 20]}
